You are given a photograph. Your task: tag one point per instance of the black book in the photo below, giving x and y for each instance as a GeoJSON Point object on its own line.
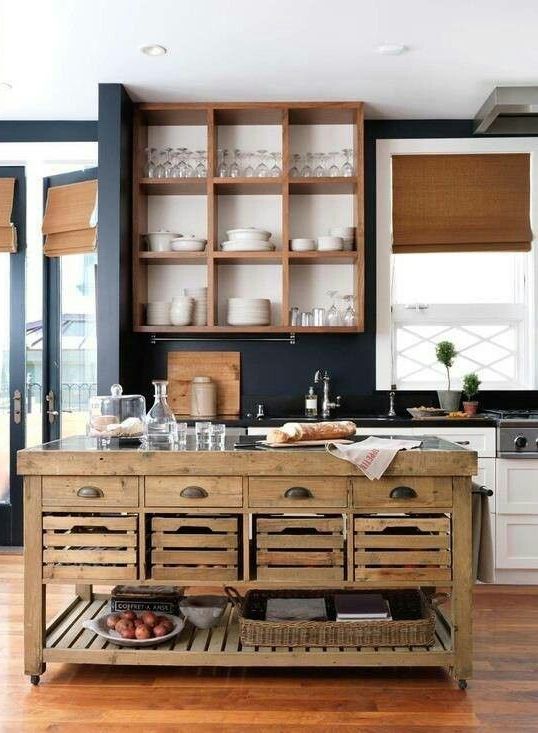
{"type": "Point", "coordinates": [360, 605]}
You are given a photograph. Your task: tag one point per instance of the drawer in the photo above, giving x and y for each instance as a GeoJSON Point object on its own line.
{"type": "Point", "coordinates": [195, 548]}
{"type": "Point", "coordinates": [90, 490]}
{"type": "Point", "coordinates": [397, 547]}
{"type": "Point", "coordinates": [297, 491]}
{"type": "Point", "coordinates": [90, 546]}
{"type": "Point", "coordinates": [199, 491]}
{"type": "Point", "coordinates": [403, 491]}
{"type": "Point", "coordinates": [308, 548]}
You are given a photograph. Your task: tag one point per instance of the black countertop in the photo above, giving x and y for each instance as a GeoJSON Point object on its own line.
{"type": "Point", "coordinates": [361, 421]}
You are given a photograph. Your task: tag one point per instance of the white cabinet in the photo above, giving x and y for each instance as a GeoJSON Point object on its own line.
{"type": "Point", "coordinates": [481, 440]}
{"type": "Point", "coordinates": [517, 542]}
{"type": "Point", "coordinates": [517, 486]}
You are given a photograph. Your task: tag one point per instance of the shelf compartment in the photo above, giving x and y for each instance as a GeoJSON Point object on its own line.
{"type": "Point", "coordinates": [173, 258]}
{"type": "Point", "coordinates": [172, 114]}
{"type": "Point", "coordinates": [173, 186]}
{"type": "Point", "coordinates": [249, 114]}
{"type": "Point", "coordinates": [328, 113]}
{"type": "Point", "coordinates": [246, 186]}
{"type": "Point", "coordinates": [323, 185]}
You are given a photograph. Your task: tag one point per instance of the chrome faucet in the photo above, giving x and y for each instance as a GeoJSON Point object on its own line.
{"type": "Point", "coordinates": [326, 404]}
{"type": "Point", "coordinates": [392, 397]}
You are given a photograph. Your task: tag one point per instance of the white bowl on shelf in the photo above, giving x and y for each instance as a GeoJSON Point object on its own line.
{"type": "Point", "coordinates": [161, 241]}
{"type": "Point", "coordinates": [303, 244]}
{"type": "Point", "coordinates": [188, 244]}
{"type": "Point", "coordinates": [330, 244]}
{"type": "Point", "coordinates": [249, 233]}
{"type": "Point", "coordinates": [248, 312]}
{"type": "Point", "coordinates": [246, 245]}
{"type": "Point", "coordinates": [347, 234]}
{"type": "Point", "coordinates": [158, 313]}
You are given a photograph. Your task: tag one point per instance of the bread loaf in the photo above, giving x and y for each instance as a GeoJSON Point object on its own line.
{"type": "Point", "coordinates": [291, 432]}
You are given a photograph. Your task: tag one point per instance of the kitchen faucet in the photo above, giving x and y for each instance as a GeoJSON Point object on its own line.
{"type": "Point", "coordinates": [392, 396]}
{"type": "Point", "coordinates": [326, 404]}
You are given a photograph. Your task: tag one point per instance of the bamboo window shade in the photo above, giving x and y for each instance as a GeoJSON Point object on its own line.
{"type": "Point", "coordinates": [70, 221]}
{"type": "Point", "coordinates": [461, 203]}
{"type": "Point", "coordinates": [8, 233]}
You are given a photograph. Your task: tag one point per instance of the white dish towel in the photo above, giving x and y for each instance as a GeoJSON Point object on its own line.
{"type": "Point", "coordinates": [372, 456]}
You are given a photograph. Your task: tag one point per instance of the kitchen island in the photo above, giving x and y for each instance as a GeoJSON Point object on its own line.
{"type": "Point", "coordinates": [249, 518]}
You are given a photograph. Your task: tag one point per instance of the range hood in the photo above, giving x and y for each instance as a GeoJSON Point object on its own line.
{"type": "Point", "coordinates": [508, 111]}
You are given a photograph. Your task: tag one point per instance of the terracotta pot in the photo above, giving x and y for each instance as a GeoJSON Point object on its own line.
{"type": "Point", "coordinates": [470, 408]}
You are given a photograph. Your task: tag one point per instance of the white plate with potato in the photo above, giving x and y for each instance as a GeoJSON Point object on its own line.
{"type": "Point", "coordinates": [157, 628]}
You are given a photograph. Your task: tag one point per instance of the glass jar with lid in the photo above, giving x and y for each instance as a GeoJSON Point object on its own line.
{"type": "Point", "coordinates": [116, 416]}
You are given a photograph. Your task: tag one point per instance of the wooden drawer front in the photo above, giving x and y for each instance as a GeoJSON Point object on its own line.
{"type": "Point", "coordinates": [299, 548]}
{"type": "Point", "coordinates": [90, 546]}
{"type": "Point", "coordinates": [90, 490]}
{"type": "Point", "coordinates": [402, 547]}
{"type": "Point", "coordinates": [200, 491]}
{"type": "Point", "coordinates": [403, 492]}
{"type": "Point", "coordinates": [298, 491]}
{"type": "Point", "coordinates": [195, 548]}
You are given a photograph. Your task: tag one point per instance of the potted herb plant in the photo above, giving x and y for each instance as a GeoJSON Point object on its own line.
{"type": "Point", "coordinates": [449, 399]}
{"type": "Point", "coordinates": [471, 383]}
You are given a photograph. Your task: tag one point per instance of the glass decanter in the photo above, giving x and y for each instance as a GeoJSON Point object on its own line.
{"type": "Point", "coordinates": [160, 429]}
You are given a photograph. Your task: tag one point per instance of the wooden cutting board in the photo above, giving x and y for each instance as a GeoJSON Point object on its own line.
{"type": "Point", "coordinates": [223, 367]}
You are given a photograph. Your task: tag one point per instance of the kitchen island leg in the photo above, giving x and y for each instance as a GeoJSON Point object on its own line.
{"type": "Point", "coordinates": [34, 589]}
{"type": "Point", "coordinates": [462, 566]}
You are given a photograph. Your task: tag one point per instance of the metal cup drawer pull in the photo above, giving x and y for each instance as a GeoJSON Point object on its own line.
{"type": "Point", "coordinates": [403, 492]}
{"type": "Point", "coordinates": [193, 492]}
{"type": "Point", "coordinates": [90, 492]}
{"type": "Point", "coordinates": [298, 492]}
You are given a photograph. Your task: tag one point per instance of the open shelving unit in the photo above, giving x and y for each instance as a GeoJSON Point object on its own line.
{"type": "Point", "coordinates": [287, 206]}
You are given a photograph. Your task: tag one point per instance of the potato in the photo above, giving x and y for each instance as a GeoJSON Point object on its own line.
{"type": "Point", "coordinates": [149, 618]}
{"type": "Point", "coordinates": [111, 620]}
{"type": "Point", "coordinates": [138, 622]}
{"type": "Point", "coordinates": [130, 615]}
{"type": "Point", "coordinates": [143, 632]}
{"type": "Point", "coordinates": [124, 624]}
{"type": "Point", "coordinates": [128, 633]}
{"type": "Point", "coordinates": [160, 630]}
{"type": "Point", "coordinates": [168, 625]}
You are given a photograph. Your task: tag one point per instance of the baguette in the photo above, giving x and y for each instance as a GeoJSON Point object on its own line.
{"type": "Point", "coordinates": [292, 432]}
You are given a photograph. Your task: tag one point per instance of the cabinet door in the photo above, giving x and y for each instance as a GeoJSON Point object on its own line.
{"type": "Point", "coordinates": [517, 542]}
{"type": "Point", "coordinates": [517, 486]}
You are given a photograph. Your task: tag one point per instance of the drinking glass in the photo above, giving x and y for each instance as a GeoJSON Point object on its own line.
{"type": "Point", "coordinates": [235, 168]}
{"type": "Point", "coordinates": [159, 166]}
{"type": "Point", "coordinates": [223, 168]}
{"type": "Point", "coordinates": [167, 164]}
{"type": "Point", "coordinates": [334, 170]}
{"type": "Point", "coordinates": [333, 314]}
{"type": "Point", "coordinates": [149, 167]}
{"type": "Point", "coordinates": [347, 168]}
{"type": "Point", "coordinates": [261, 171]}
{"type": "Point", "coordinates": [182, 435]}
{"type": "Point", "coordinates": [319, 168]}
{"type": "Point", "coordinates": [202, 432]}
{"type": "Point", "coordinates": [200, 170]}
{"type": "Point", "coordinates": [296, 167]}
{"type": "Point", "coordinates": [181, 167]}
{"type": "Point", "coordinates": [318, 315]}
{"type": "Point", "coordinates": [275, 170]}
{"type": "Point", "coordinates": [217, 436]}
{"type": "Point", "coordinates": [248, 170]}
{"type": "Point", "coordinates": [306, 170]}
{"type": "Point", "coordinates": [307, 318]}
{"type": "Point", "coordinates": [294, 316]}
{"type": "Point", "coordinates": [189, 164]}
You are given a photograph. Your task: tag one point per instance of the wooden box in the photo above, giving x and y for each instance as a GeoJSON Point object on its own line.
{"type": "Point", "coordinates": [401, 547]}
{"type": "Point", "coordinates": [300, 548]}
{"type": "Point", "coordinates": [87, 546]}
{"type": "Point", "coordinates": [198, 547]}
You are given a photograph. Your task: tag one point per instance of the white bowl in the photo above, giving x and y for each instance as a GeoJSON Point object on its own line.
{"type": "Point", "coordinates": [344, 232]}
{"type": "Point", "coordinates": [330, 244]}
{"type": "Point", "coordinates": [188, 245]}
{"type": "Point", "coordinates": [160, 241]}
{"type": "Point", "coordinates": [303, 244]}
{"type": "Point", "coordinates": [246, 245]}
{"type": "Point", "coordinates": [249, 233]}
{"type": "Point", "coordinates": [203, 612]}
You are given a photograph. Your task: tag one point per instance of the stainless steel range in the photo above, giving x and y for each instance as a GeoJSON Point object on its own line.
{"type": "Point", "coordinates": [517, 433]}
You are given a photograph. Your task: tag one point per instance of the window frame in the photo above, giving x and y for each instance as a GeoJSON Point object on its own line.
{"type": "Point", "coordinates": [384, 260]}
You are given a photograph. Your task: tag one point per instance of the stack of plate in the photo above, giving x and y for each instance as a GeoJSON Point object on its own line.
{"type": "Point", "coordinates": [248, 240]}
{"type": "Point", "coordinates": [158, 313]}
{"type": "Point", "coordinates": [249, 312]}
{"type": "Point", "coordinates": [181, 311]}
{"type": "Point", "coordinates": [199, 314]}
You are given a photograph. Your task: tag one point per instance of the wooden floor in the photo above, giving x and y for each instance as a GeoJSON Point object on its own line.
{"type": "Point", "coordinates": [503, 696]}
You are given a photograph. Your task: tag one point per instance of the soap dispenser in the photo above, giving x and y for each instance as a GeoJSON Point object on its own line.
{"type": "Point", "coordinates": [311, 403]}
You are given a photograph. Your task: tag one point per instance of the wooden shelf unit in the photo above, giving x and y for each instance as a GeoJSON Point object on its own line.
{"type": "Point", "coordinates": [212, 116]}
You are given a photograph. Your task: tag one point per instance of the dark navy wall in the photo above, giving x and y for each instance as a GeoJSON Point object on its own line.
{"type": "Point", "coordinates": [47, 131]}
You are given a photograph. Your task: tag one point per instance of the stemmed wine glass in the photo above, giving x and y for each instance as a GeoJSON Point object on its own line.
{"type": "Point", "coordinates": [167, 164]}
{"type": "Point", "coordinates": [200, 171]}
{"type": "Point", "coordinates": [347, 168]}
{"type": "Point", "coordinates": [223, 167]}
{"type": "Point", "coordinates": [248, 170]}
{"type": "Point", "coordinates": [333, 168]}
{"type": "Point", "coordinates": [319, 169]}
{"type": "Point", "coordinates": [333, 314]}
{"type": "Point", "coordinates": [306, 170]}
{"type": "Point", "coordinates": [262, 171]}
{"type": "Point", "coordinates": [275, 170]}
{"type": "Point", "coordinates": [296, 167]}
{"type": "Point", "coordinates": [149, 166]}
{"type": "Point", "coordinates": [350, 317]}
{"type": "Point", "coordinates": [235, 168]}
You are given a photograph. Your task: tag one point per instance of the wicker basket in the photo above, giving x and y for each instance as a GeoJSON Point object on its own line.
{"type": "Point", "coordinates": [256, 632]}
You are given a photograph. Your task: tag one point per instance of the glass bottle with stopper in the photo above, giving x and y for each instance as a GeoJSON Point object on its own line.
{"type": "Point", "coordinates": [160, 430]}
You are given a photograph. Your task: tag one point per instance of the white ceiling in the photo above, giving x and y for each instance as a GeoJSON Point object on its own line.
{"type": "Point", "coordinates": [55, 53]}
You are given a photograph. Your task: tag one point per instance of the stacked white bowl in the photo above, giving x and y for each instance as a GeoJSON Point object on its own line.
{"type": "Point", "coordinates": [249, 239]}
{"type": "Point", "coordinates": [199, 314]}
{"type": "Point", "coordinates": [158, 313]}
{"type": "Point", "coordinates": [347, 234]}
{"type": "Point", "coordinates": [181, 310]}
{"type": "Point", "coordinates": [249, 312]}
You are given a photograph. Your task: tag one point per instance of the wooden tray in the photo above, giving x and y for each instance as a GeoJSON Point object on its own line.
{"type": "Point", "coordinates": [223, 367]}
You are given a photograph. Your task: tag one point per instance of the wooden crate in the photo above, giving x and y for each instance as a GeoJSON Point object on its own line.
{"type": "Point", "coordinates": [90, 545]}
{"type": "Point", "coordinates": [299, 547]}
{"type": "Point", "coordinates": [402, 547]}
{"type": "Point", "coordinates": [198, 547]}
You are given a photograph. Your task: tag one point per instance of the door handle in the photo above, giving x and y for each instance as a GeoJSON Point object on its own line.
{"type": "Point", "coordinates": [298, 492]}
{"type": "Point", "coordinates": [193, 492]}
{"type": "Point", "coordinates": [402, 492]}
{"type": "Point", "coordinates": [17, 406]}
{"type": "Point", "coordinates": [51, 412]}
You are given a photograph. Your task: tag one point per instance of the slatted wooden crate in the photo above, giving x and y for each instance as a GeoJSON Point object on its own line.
{"type": "Point", "coordinates": [404, 547]}
{"type": "Point", "coordinates": [299, 547]}
{"type": "Point", "coordinates": [90, 546]}
{"type": "Point", "coordinates": [195, 547]}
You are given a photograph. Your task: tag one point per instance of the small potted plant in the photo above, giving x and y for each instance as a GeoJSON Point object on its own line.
{"type": "Point", "coordinates": [471, 383]}
{"type": "Point", "coordinates": [449, 399]}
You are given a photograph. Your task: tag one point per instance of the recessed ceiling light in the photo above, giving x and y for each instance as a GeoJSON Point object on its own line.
{"type": "Point", "coordinates": [5, 86]}
{"type": "Point", "coordinates": [391, 49]}
{"type": "Point", "coordinates": [154, 49]}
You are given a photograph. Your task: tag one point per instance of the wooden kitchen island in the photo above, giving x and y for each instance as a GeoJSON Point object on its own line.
{"type": "Point", "coordinates": [247, 518]}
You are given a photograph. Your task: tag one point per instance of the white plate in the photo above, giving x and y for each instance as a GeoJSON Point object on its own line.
{"type": "Point", "coordinates": [249, 233]}
{"type": "Point", "coordinates": [98, 626]}
{"type": "Point", "coordinates": [247, 245]}
{"type": "Point", "coordinates": [187, 245]}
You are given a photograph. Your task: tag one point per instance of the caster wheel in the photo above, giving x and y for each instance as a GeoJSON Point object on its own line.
{"type": "Point", "coordinates": [462, 684]}
{"type": "Point", "coordinates": [34, 679]}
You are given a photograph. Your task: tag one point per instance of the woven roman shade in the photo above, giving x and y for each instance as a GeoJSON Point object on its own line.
{"type": "Point", "coordinates": [461, 203]}
{"type": "Point", "coordinates": [8, 233]}
{"type": "Point", "coordinates": [70, 221]}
